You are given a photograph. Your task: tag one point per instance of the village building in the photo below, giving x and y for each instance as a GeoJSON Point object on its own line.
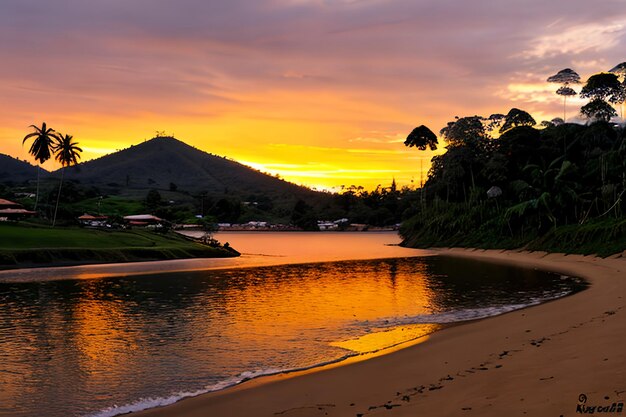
{"type": "Point", "coordinates": [11, 211]}
{"type": "Point", "coordinates": [88, 220]}
{"type": "Point", "coordinates": [143, 220]}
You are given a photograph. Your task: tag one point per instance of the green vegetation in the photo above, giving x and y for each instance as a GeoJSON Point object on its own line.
{"type": "Point", "coordinates": [560, 188]}
{"type": "Point", "coordinates": [168, 164]}
{"type": "Point", "coordinates": [28, 245]}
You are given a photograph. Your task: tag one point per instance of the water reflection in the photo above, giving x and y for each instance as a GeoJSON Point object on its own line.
{"type": "Point", "coordinates": [257, 248]}
{"type": "Point", "coordinates": [95, 343]}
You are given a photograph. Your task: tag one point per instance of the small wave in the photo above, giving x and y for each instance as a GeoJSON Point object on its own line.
{"type": "Point", "coordinates": [457, 316]}
{"type": "Point", "coordinates": [146, 403]}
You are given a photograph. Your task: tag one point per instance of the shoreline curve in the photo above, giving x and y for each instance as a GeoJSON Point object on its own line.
{"type": "Point", "coordinates": [536, 360]}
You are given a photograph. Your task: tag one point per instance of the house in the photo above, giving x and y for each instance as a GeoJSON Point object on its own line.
{"type": "Point", "coordinates": [327, 225]}
{"type": "Point", "coordinates": [93, 221]}
{"type": "Point", "coordinates": [10, 210]}
{"type": "Point", "coordinates": [143, 220]}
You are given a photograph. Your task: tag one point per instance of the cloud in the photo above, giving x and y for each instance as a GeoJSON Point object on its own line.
{"type": "Point", "coordinates": [357, 74]}
{"type": "Point", "coordinates": [576, 40]}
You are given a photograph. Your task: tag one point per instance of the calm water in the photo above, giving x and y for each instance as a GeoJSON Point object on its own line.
{"type": "Point", "coordinates": [110, 345]}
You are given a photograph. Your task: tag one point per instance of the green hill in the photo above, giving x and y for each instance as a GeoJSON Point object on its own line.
{"type": "Point", "coordinates": [16, 171]}
{"type": "Point", "coordinates": [163, 162]}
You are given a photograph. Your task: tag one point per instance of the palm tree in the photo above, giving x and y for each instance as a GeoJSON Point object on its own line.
{"type": "Point", "coordinates": [67, 153]}
{"type": "Point", "coordinates": [41, 148]}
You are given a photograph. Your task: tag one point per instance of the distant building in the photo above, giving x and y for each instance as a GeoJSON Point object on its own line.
{"type": "Point", "coordinates": [143, 220]}
{"type": "Point", "coordinates": [93, 221]}
{"type": "Point", "coordinates": [327, 225]}
{"type": "Point", "coordinates": [11, 211]}
{"type": "Point", "coordinates": [332, 225]}
{"type": "Point", "coordinates": [256, 225]}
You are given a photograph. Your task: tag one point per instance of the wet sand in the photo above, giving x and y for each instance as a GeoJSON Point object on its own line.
{"type": "Point", "coordinates": [536, 362]}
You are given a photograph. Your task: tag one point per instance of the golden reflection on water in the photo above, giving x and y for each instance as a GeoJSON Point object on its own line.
{"type": "Point", "coordinates": [257, 248]}
{"type": "Point", "coordinates": [373, 342]}
{"type": "Point", "coordinates": [270, 308]}
{"type": "Point", "coordinates": [100, 333]}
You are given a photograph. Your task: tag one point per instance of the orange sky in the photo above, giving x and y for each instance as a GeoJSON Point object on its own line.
{"type": "Point", "coordinates": [322, 93]}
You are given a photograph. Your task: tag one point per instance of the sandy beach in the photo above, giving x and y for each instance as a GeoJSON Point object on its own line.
{"type": "Point", "coordinates": [555, 359]}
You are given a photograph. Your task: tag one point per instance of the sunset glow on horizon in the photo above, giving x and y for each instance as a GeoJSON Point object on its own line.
{"type": "Point", "coordinates": [322, 93]}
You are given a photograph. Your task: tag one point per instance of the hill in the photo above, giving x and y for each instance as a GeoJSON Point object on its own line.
{"type": "Point", "coordinates": [165, 163]}
{"type": "Point", "coordinates": [16, 171]}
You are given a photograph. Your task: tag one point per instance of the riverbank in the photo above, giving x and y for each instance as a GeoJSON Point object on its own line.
{"type": "Point", "coordinates": [537, 361]}
{"type": "Point", "coordinates": [31, 246]}
{"type": "Point", "coordinates": [602, 237]}
{"type": "Point", "coordinates": [257, 249]}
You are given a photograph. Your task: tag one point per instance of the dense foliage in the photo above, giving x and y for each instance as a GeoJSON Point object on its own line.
{"type": "Point", "coordinates": [559, 188]}
{"type": "Point", "coordinates": [507, 191]}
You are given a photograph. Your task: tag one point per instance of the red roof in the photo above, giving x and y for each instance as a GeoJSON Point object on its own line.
{"type": "Point", "coordinates": [136, 223]}
{"type": "Point", "coordinates": [143, 218]}
{"type": "Point", "coordinates": [6, 203]}
{"type": "Point", "coordinates": [16, 211]}
{"type": "Point", "coordinates": [90, 217]}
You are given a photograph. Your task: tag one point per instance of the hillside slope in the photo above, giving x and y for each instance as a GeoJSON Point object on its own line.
{"type": "Point", "coordinates": [16, 171]}
{"type": "Point", "coordinates": [163, 161]}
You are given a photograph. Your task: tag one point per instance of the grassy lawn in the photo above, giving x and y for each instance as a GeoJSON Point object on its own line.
{"type": "Point", "coordinates": [23, 237]}
{"type": "Point", "coordinates": [22, 245]}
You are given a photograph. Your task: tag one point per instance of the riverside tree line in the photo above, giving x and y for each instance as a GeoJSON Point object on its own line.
{"type": "Point", "coordinates": [507, 182]}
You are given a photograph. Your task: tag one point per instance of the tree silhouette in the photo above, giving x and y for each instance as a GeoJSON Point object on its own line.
{"type": "Point", "coordinates": [565, 77]}
{"type": "Point", "coordinates": [604, 86]}
{"type": "Point", "coordinates": [153, 199]}
{"type": "Point", "coordinates": [516, 117]}
{"type": "Point", "coordinates": [602, 89]}
{"type": "Point", "coordinates": [464, 131]}
{"type": "Point", "coordinates": [598, 109]}
{"type": "Point", "coordinates": [422, 137]}
{"type": "Point", "coordinates": [67, 153]}
{"type": "Point", "coordinates": [41, 148]}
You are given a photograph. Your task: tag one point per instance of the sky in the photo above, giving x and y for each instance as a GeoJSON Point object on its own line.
{"type": "Point", "coordinates": [320, 92]}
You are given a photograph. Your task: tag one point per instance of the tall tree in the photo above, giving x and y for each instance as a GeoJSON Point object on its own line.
{"type": "Point", "coordinates": [516, 117]}
{"type": "Point", "coordinates": [422, 137]}
{"type": "Point", "coordinates": [463, 131]}
{"type": "Point", "coordinates": [602, 89]}
{"type": "Point", "coordinates": [41, 148]}
{"type": "Point", "coordinates": [604, 86]}
{"type": "Point", "coordinates": [565, 77]}
{"type": "Point", "coordinates": [67, 153]}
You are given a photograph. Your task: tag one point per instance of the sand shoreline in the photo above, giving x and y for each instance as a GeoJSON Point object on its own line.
{"type": "Point", "coordinates": [535, 361]}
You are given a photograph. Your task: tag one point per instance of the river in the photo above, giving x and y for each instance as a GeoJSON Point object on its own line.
{"type": "Point", "coordinates": [101, 342]}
